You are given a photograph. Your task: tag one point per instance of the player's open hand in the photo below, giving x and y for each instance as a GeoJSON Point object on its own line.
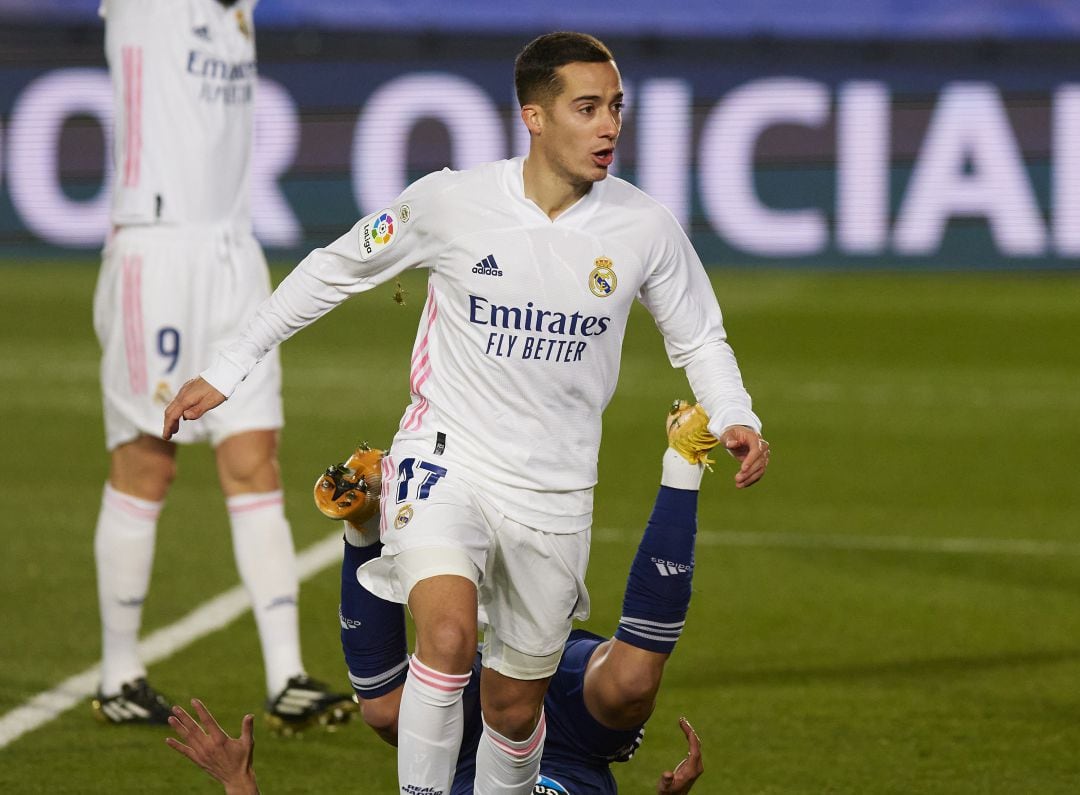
{"type": "Point", "coordinates": [194, 399]}
{"type": "Point", "coordinates": [682, 778]}
{"type": "Point", "coordinates": [747, 447]}
{"type": "Point", "coordinates": [228, 759]}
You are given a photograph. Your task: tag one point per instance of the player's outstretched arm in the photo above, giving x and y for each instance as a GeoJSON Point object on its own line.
{"type": "Point", "coordinates": [682, 778]}
{"type": "Point", "coordinates": [194, 399]}
{"type": "Point", "coordinates": [229, 760]}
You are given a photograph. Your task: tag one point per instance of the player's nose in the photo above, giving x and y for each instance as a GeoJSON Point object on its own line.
{"type": "Point", "coordinates": [609, 127]}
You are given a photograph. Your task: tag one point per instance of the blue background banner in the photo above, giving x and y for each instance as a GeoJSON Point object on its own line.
{"type": "Point", "coordinates": [804, 153]}
{"type": "Point", "coordinates": [845, 19]}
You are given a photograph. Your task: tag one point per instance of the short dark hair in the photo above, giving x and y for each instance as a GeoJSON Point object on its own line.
{"type": "Point", "coordinates": [535, 76]}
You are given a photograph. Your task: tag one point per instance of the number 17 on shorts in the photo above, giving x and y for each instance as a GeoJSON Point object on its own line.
{"type": "Point", "coordinates": [415, 480]}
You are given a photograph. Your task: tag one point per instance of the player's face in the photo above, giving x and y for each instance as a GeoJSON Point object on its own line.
{"type": "Point", "coordinates": [581, 125]}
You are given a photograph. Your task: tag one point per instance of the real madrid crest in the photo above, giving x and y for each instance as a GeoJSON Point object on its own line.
{"type": "Point", "coordinates": [162, 393]}
{"type": "Point", "coordinates": [404, 515]}
{"type": "Point", "coordinates": [602, 280]}
{"type": "Point", "coordinates": [241, 23]}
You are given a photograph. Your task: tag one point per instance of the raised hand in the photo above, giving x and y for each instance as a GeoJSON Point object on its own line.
{"type": "Point", "coordinates": [682, 778]}
{"type": "Point", "coordinates": [228, 759]}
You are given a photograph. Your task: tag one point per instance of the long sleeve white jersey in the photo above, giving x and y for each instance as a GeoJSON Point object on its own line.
{"type": "Point", "coordinates": [518, 347]}
{"type": "Point", "coordinates": [183, 77]}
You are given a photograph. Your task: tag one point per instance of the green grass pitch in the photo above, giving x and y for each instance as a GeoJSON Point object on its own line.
{"type": "Point", "coordinates": [835, 644]}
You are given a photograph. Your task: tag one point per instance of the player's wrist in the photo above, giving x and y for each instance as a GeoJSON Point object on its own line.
{"type": "Point", "coordinates": [678, 473]}
{"type": "Point", "coordinates": [243, 785]}
{"type": "Point", "coordinates": [223, 375]}
{"type": "Point", "coordinates": [731, 418]}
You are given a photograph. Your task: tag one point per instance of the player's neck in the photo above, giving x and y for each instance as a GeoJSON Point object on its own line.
{"type": "Point", "coordinates": [549, 190]}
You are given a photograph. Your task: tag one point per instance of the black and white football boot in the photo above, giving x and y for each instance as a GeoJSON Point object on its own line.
{"type": "Point", "coordinates": [307, 702]}
{"type": "Point", "coordinates": [137, 702]}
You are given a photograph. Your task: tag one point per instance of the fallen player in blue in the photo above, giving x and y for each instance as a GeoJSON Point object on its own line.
{"type": "Point", "coordinates": [605, 688]}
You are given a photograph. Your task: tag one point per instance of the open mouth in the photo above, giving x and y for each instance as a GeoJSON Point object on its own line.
{"type": "Point", "coordinates": [604, 157]}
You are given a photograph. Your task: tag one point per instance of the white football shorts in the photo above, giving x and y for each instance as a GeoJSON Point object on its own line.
{"type": "Point", "coordinates": [167, 298]}
{"type": "Point", "coordinates": [531, 584]}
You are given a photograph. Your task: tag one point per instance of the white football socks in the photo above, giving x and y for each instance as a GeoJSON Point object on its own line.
{"type": "Point", "coordinates": [430, 726]}
{"type": "Point", "coordinates": [266, 560]}
{"type": "Point", "coordinates": [124, 556]}
{"type": "Point", "coordinates": [678, 473]}
{"type": "Point", "coordinates": [366, 535]}
{"type": "Point", "coordinates": [508, 766]}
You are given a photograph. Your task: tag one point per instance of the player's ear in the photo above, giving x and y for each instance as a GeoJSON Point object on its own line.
{"type": "Point", "coordinates": [533, 116]}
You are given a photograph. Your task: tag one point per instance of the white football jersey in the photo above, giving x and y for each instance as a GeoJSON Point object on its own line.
{"type": "Point", "coordinates": [183, 76]}
{"type": "Point", "coordinates": [518, 348]}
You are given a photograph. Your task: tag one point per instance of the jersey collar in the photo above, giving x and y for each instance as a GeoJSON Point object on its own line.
{"type": "Point", "coordinates": [574, 215]}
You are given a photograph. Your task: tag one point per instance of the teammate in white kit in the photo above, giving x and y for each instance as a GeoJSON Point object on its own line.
{"type": "Point", "coordinates": [181, 273]}
{"type": "Point", "coordinates": [487, 489]}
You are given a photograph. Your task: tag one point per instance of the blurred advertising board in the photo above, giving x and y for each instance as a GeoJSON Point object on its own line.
{"type": "Point", "coordinates": [917, 155]}
{"type": "Point", "coordinates": [793, 19]}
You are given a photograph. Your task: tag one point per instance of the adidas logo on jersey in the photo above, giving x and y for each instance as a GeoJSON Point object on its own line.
{"type": "Point", "coordinates": [487, 266]}
{"type": "Point", "coordinates": [203, 32]}
{"type": "Point", "coordinates": [669, 569]}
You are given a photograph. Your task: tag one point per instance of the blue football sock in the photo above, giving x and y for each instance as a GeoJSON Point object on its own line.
{"type": "Point", "coordinates": [372, 630]}
{"type": "Point", "coordinates": [658, 588]}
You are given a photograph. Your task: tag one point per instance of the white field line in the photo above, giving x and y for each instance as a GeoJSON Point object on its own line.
{"type": "Point", "coordinates": [230, 605]}
{"type": "Point", "coordinates": [208, 617]}
{"type": "Point", "coordinates": [882, 543]}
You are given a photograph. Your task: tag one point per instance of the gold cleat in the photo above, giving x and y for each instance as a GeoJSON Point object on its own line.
{"type": "Point", "coordinates": [350, 490]}
{"type": "Point", "coordinates": [688, 432]}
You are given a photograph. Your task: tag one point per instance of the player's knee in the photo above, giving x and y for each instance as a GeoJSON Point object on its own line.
{"type": "Point", "coordinates": [447, 645]}
{"type": "Point", "coordinates": [512, 719]}
{"type": "Point", "coordinates": [160, 473]}
{"type": "Point", "coordinates": [143, 468]}
{"type": "Point", "coordinates": [511, 706]}
{"type": "Point", "coordinates": [444, 611]}
{"type": "Point", "coordinates": [252, 480]}
{"type": "Point", "coordinates": [247, 463]}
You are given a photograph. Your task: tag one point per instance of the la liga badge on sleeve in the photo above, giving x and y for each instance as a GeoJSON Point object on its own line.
{"type": "Point", "coordinates": [377, 231]}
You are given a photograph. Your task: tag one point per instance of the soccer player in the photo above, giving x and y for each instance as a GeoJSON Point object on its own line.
{"type": "Point", "coordinates": [604, 688]}
{"type": "Point", "coordinates": [181, 273]}
{"type": "Point", "coordinates": [534, 264]}
{"type": "Point", "coordinates": [231, 760]}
